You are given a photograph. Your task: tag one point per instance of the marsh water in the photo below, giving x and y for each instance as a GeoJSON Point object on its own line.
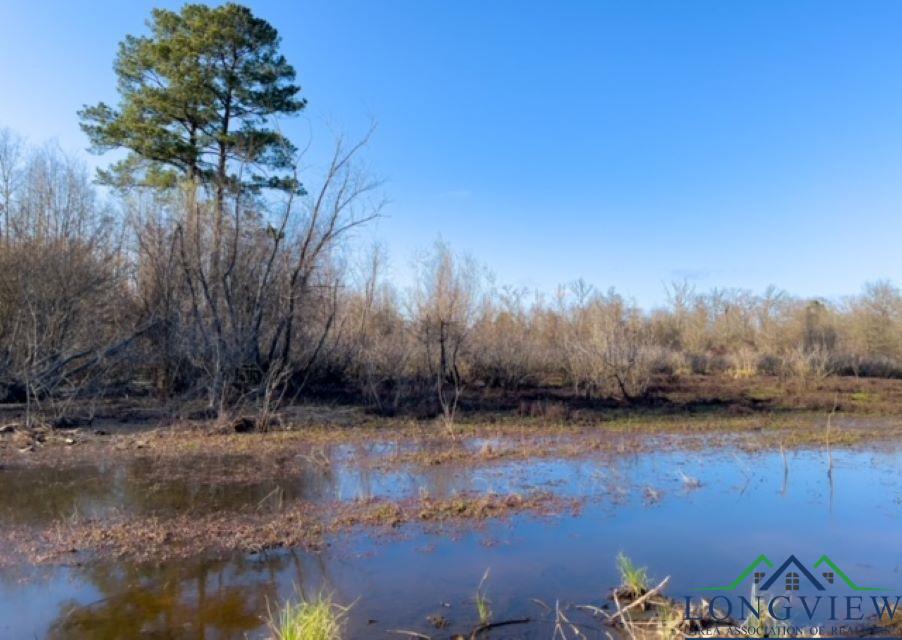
{"type": "Point", "coordinates": [696, 515]}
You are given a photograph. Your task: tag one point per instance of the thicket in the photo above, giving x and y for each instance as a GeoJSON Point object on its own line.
{"type": "Point", "coordinates": [111, 295]}
{"type": "Point", "coordinates": [210, 267]}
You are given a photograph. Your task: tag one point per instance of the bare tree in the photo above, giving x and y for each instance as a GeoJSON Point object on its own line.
{"type": "Point", "coordinates": [64, 306]}
{"type": "Point", "coordinates": [444, 302]}
{"type": "Point", "coordinates": [604, 343]}
{"type": "Point", "coordinates": [343, 201]}
{"type": "Point", "coordinates": [507, 350]}
{"type": "Point", "coordinates": [382, 350]}
{"type": "Point", "coordinates": [11, 151]}
{"type": "Point", "coordinates": [261, 320]}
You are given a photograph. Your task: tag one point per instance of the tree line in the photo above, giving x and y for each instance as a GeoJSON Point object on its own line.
{"type": "Point", "coordinates": [207, 265]}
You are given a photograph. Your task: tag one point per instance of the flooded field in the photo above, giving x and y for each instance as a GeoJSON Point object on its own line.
{"type": "Point", "coordinates": [697, 514]}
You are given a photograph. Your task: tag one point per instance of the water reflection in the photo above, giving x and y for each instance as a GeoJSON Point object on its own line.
{"type": "Point", "coordinates": [198, 599]}
{"type": "Point", "coordinates": [30, 496]}
{"type": "Point", "coordinates": [846, 504]}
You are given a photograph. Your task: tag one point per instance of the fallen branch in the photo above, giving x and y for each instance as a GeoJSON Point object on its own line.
{"type": "Point", "coordinates": [638, 601]}
{"type": "Point", "coordinates": [627, 622]}
{"type": "Point", "coordinates": [494, 625]}
{"type": "Point", "coordinates": [412, 634]}
{"type": "Point", "coordinates": [594, 610]}
{"type": "Point", "coordinates": [560, 620]}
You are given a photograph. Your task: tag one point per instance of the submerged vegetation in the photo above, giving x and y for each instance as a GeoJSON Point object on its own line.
{"type": "Point", "coordinates": [300, 524]}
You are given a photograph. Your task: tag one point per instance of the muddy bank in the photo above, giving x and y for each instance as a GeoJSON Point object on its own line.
{"type": "Point", "coordinates": [688, 404]}
{"type": "Point", "coordinates": [205, 451]}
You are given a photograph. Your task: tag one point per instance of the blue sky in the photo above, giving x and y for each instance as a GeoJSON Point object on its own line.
{"type": "Point", "coordinates": [629, 143]}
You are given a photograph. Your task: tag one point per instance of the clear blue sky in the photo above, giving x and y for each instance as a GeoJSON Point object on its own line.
{"type": "Point", "coordinates": [629, 143]}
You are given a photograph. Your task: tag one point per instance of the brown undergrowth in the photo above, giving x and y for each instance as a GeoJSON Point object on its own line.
{"type": "Point", "coordinates": [303, 525]}
{"type": "Point", "coordinates": [256, 456]}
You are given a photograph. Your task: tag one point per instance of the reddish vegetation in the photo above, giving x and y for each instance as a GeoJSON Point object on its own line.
{"type": "Point", "coordinates": [297, 525]}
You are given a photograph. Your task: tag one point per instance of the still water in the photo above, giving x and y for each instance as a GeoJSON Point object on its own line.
{"type": "Point", "coordinates": [698, 516]}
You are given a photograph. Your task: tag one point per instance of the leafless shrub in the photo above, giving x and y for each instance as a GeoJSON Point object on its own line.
{"type": "Point", "coordinates": [64, 309]}
{"type": "Point", "coordinates": [248, 303]}
{"type": "Point", "coordinates": [246, 299]}
{"type": "Point", "coordinates": [743, 363]}
{"type": "Point", "coordinates": [604, 344]}
{"type": "Point", "coordinates": [669, 362]}
{"type": "Point", "coordinates": [383, 349]}
{"type": "Point", "coordinates": [506, 342]}
{"type": "Point", "coordinates": [548, 410]}
{"type": "Point", "coordinates": [443, 306]}
{"type": "Point", "coordinates": [807, 365]}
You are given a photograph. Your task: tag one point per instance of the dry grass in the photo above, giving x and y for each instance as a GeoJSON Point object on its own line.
{"type": "Point", "coordinates": [761, 411]}
{"type": "Point", "coordinates": [297, 525]}
{"type": "Point", "coordinates": [188, 452]}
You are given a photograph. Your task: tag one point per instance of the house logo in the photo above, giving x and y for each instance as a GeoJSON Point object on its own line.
{"type": "Point", "coordinates": [792, 575]}
{"type": "Point", "coordinates": [789, 599]}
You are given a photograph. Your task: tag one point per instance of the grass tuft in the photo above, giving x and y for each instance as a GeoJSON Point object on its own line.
{"type": "Point", "coordinates": [633, 579]}
{"type": "Point", "coordinates": [482, 601]}
{"type": "Point", "coordinates": [317, 619]}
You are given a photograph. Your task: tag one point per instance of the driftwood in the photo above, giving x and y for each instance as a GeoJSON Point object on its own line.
{"type": "Point", "coordinates": [638, 601]}
{"type": "Point", "coordinates": [494, 625]}
{"type": "Point", "coordinates": [622, 610]}
{"type": "Point", "coordinates": [561, 622]}
{"type": "Point", "coordinates": [486, 626]}
{"type": "Point", "coordinates": [411, 634]}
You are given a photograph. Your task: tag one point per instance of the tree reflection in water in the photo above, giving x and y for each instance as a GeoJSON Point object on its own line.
{"type": "Point", "coordinates": [200, 598]}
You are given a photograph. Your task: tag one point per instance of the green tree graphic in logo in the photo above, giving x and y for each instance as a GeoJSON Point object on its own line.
{"type": "Point", "coordinates": [763, 581]}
